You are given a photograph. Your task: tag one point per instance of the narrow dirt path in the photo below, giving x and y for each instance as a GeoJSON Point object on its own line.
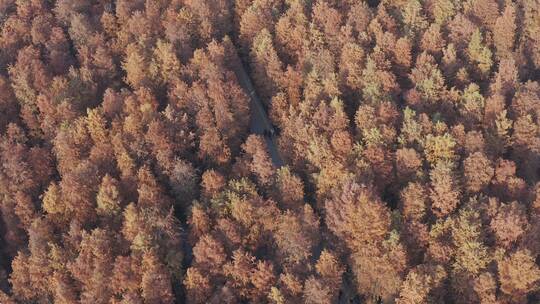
{"type": "Point", "coordinates": [260, 123]}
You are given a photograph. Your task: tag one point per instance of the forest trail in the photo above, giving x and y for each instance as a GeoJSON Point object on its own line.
{"type": "Point", "coordinates": [259, 122]}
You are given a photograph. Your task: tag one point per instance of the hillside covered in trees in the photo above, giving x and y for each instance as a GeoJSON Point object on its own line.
{"type": "Point", "coordinates": [409, 130]}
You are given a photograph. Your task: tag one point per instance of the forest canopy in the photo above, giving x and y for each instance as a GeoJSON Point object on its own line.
{"type": "Point", "coordinates": [133, 168]}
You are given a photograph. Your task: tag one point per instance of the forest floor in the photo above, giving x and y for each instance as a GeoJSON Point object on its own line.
{"type": "Point", "coordinates": [259, 119]}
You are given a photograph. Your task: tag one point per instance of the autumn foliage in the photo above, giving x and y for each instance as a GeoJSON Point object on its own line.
{"type": "Point", "coordinates": [131, 170]}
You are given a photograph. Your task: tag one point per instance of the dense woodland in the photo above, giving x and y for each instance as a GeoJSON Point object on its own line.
{"type": "Point", "coordinates": [410, 130]}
